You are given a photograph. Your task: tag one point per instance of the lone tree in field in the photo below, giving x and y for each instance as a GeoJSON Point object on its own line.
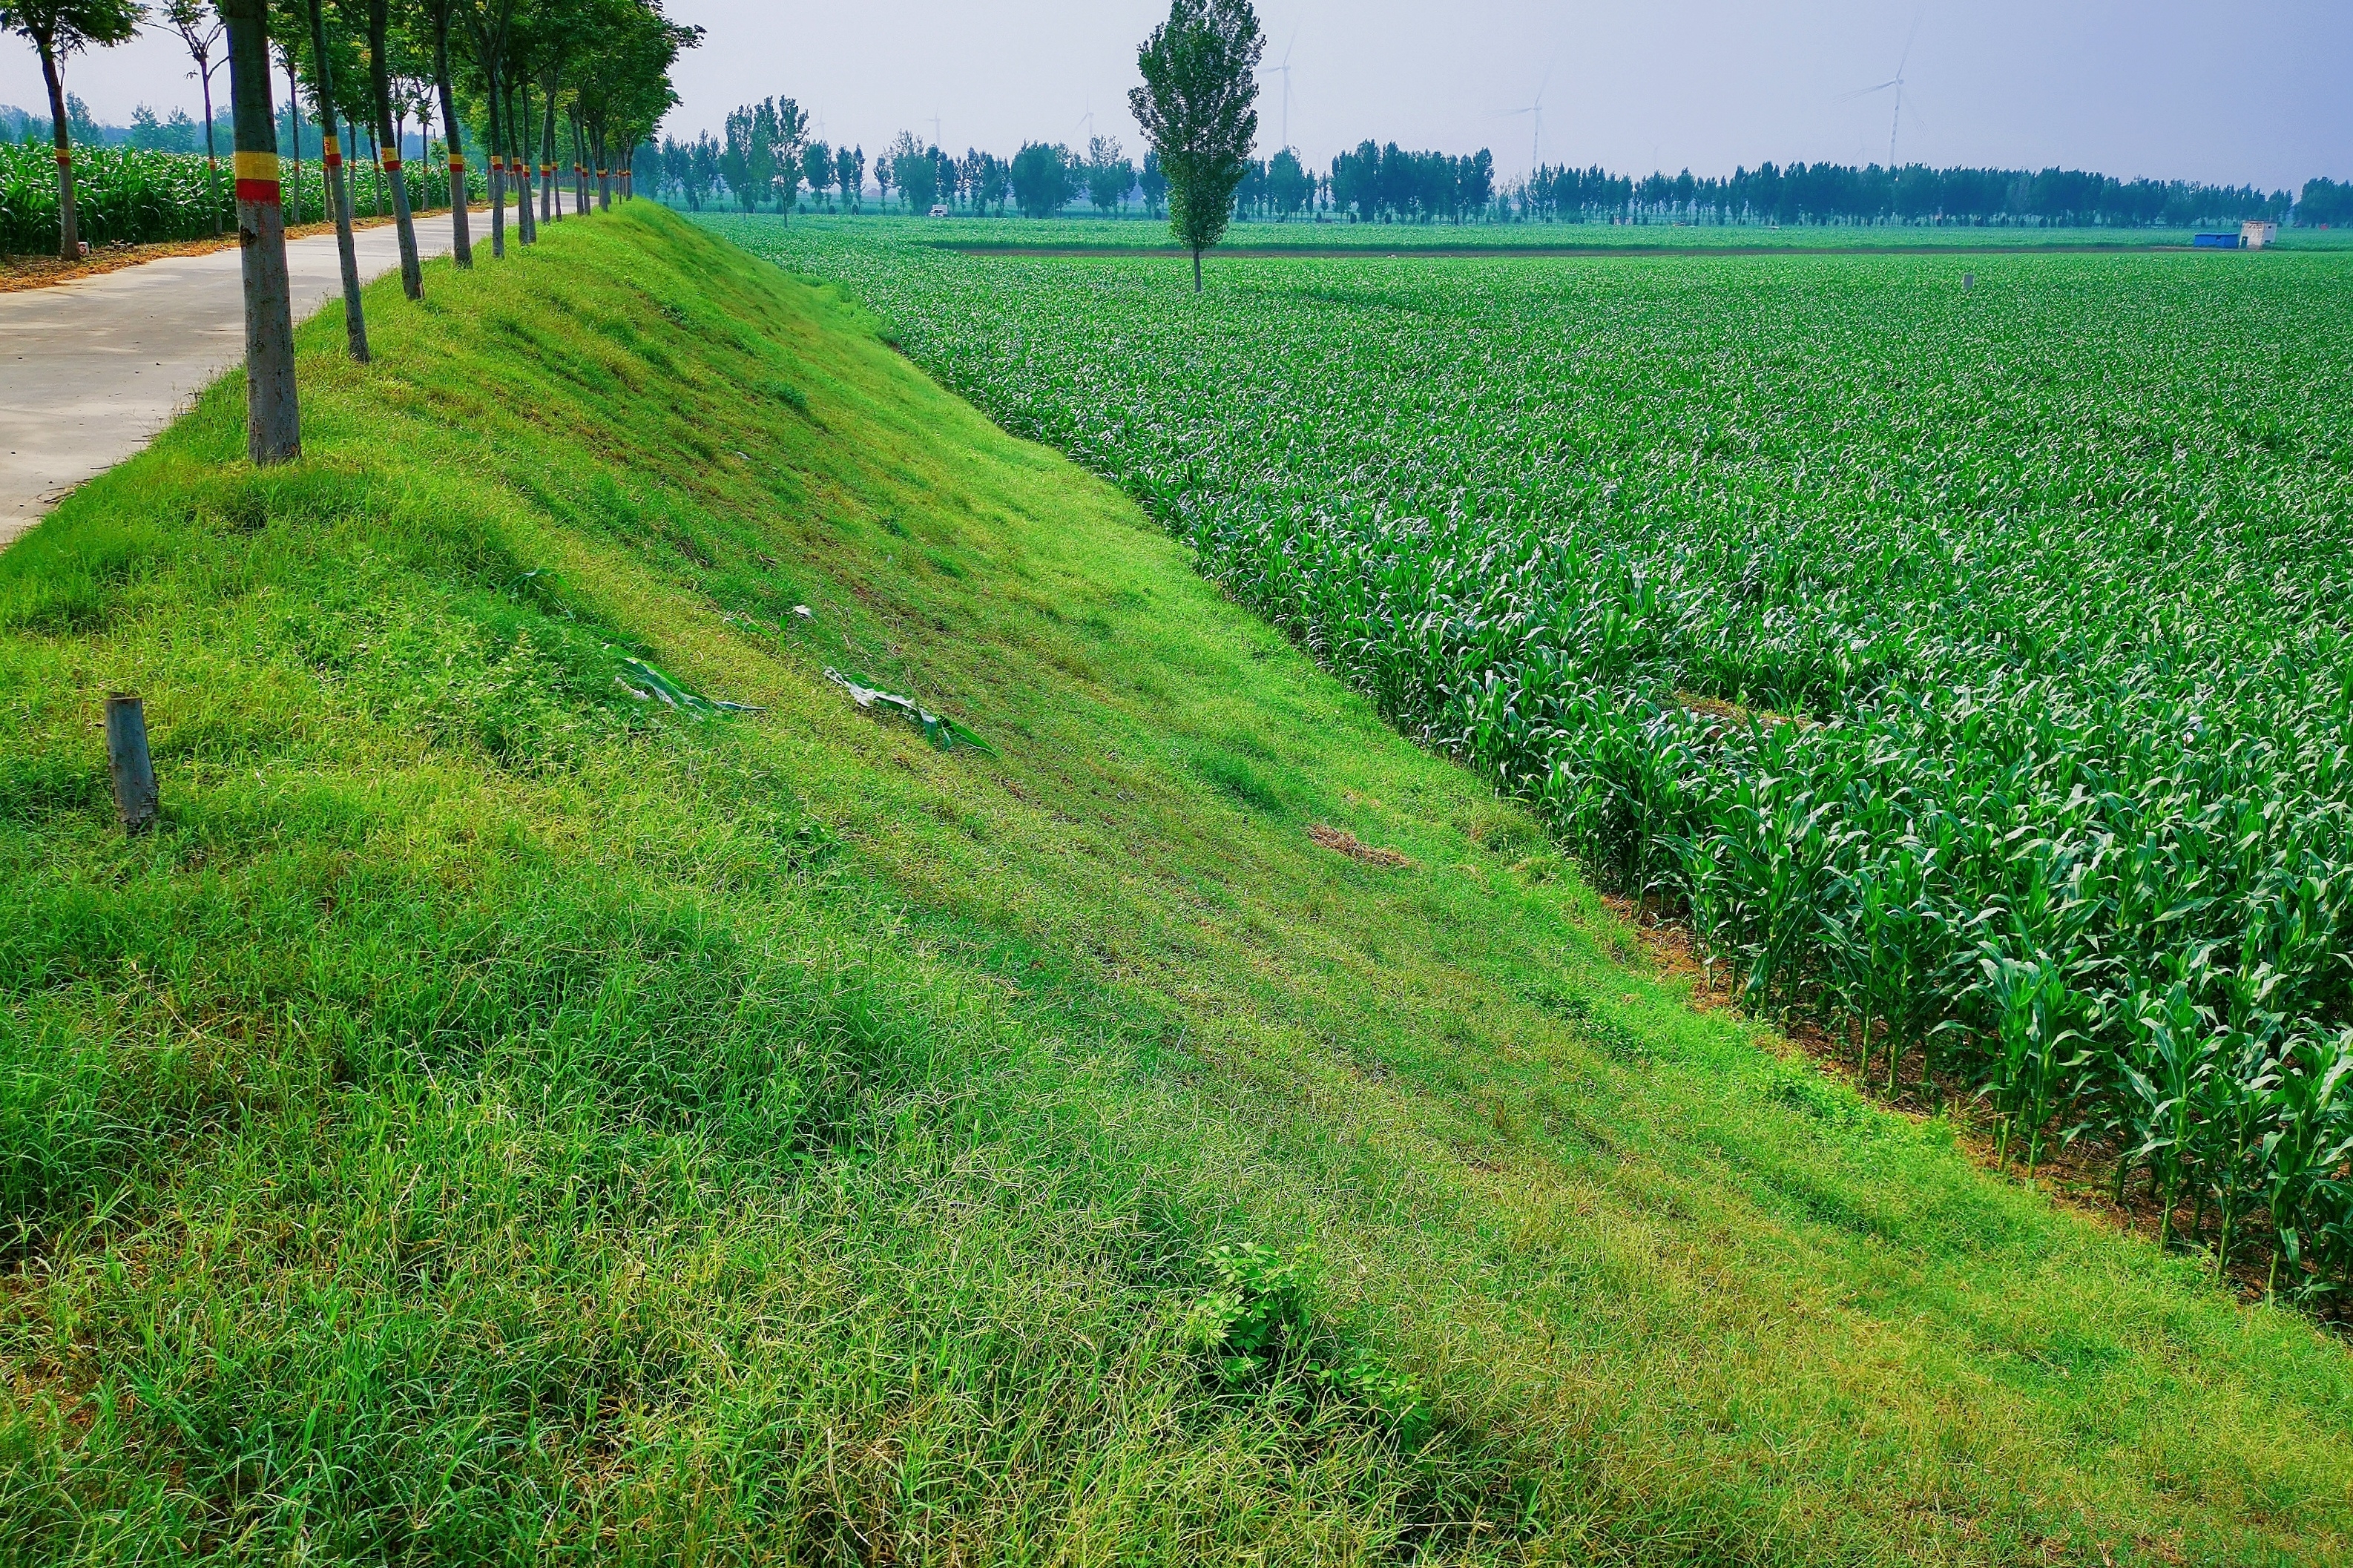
{"type": "Point", "coordinates": [1197, 108]}
{"type": "Point", "coordinates": [57, 28]}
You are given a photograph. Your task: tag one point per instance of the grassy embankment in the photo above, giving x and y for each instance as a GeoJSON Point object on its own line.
{"type": "Point", "coordinates": [495, 1116]}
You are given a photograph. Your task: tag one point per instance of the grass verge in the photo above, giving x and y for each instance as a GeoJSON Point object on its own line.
{"type": "Point", "coordinates": [514, 1108]}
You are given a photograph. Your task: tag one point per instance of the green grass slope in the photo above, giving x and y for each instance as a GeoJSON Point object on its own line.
{"type": "Point", "coordinates": [501, 1117]}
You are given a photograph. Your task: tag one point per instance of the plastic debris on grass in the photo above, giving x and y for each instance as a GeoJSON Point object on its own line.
{"type": "Point", "coordinates": [943, 732]}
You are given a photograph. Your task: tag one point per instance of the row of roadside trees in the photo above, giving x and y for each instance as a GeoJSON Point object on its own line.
{"type": "Point", "coordinates": [523, 72]}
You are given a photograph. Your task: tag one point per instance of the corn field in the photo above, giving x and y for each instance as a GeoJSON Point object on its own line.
{"type": "Point", "coordinates": [1971, 669]}
{"type": "Point", "coordinates": [126, 197]}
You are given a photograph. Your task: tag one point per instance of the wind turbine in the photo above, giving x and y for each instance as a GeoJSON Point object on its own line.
{"type": "Point", "coordinates": [1285, 69]}
{"type": "Point", "coordinates": [1895, 81]}
{"type": "Point", "coordinates": [1536, 143]}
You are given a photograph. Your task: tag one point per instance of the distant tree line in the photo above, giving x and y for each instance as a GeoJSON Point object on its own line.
{"type": "Point", "coordinates": [1373, 182]}
{"type": "Point", "coordinates": [2325, 204]}
{"type": "Point", "coordinates": [1383, 182]}
{"type": "Point", "coordinates": [1841, 193]}
{"type": "Point", "coordinates": [765, 161]}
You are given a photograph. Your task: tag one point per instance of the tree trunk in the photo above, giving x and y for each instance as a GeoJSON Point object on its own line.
{"type": "Point", "coordinates": [212, 155]}
{"type": "Point", "coordinates": [579, 168]}
{"type": "Point", "coordinates": [387, 132]}
{"type": "Point", "coordinates": [295, 124]}
{"type": "Point", "coordinates": [519, 159]}
{"type": "Point", "coordinates": [339, 199]}
{"type": "Point", "coordinates": [461, 243]}
{"type": "Point", "coordinates": [550, 198]}
{"type": "Point", "coordinates": [273, 420]}
{"type": "Point", "coordinates": [497, 174]}
{"type": "Point", "coordinates": [69, 231]}
{"type": "Point", "coordinates": [1197, 270]}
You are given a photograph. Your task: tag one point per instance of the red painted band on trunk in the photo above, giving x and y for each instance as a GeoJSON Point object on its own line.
{"type": "Point", "coordinates": [262, 190]}
{"type": "Point", "coordinates": [65, 160]}
{"type": "Point", "coordinates": [334, 160]}
{"type": "Point", "coordinates": [391, 164]}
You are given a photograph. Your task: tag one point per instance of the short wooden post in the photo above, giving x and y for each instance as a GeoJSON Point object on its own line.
{"type": "Point", "coordinates": [127, 760]}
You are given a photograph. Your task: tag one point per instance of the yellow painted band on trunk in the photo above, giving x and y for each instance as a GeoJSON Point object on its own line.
{"type": "Point", "coordinates": [255, 165]}
{"type": "Point", "coordinates": [458, 163]}
{"type": "Point", "coordinates": [334, 148]}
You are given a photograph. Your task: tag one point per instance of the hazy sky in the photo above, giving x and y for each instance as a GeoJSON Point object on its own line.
{"type": "Point", "coordinates": [2249, 90]}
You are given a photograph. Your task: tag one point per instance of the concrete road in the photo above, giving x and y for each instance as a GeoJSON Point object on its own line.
{"type": "Point", "coordinates": [90, 370]}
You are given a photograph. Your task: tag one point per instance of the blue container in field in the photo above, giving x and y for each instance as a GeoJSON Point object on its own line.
{"type": "Point", "coordinates": [2215, 241]}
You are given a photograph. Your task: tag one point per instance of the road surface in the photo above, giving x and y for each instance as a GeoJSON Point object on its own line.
{"type": "Point", "coordinates": [94, 368]}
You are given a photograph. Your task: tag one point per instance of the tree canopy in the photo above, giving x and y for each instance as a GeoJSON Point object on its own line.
{"type": "Point", "coordinates": [1199, 108]}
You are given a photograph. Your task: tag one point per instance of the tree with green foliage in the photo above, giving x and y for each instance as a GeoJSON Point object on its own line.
{"type": "Point", "coordinates": [743, 158]}
{"type": "Point", "coordinates": [58, 29]}
{"type": "Point", "coordinates": [817, 168]}
{"type": "Point", "coordinates": [762, 150]}
{"type": "Point", "coordinates": [1197, 107]}
{"type": "Point", "coordinates": [1109, 175]}
{"type": "Point", "coordinates": [917, 174]}
{"type": "Point", "coordinates": [1152, 184]}
{"type": "Point", "coordinates": [991, 181]}
{"type": "Point", "coordinates": [702, 169]}
{"type": "Point", "coordinates": [849, 174]}
{"type": "Point", "coordinates": [789, 133]}
{"type": "Point", "coordinates": [1289, 186]}
{"type": "Point", "coordinates": [2325, 203]}
{"type": "Point", "coordinates": [1041, 177]}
